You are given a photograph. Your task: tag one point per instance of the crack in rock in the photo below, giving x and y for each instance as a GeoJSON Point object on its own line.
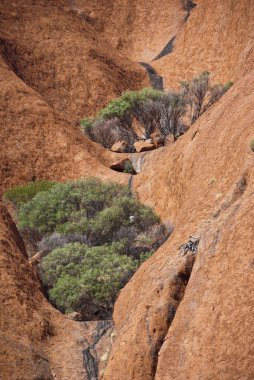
{"type": "Point", "coordinates": [90, 358]}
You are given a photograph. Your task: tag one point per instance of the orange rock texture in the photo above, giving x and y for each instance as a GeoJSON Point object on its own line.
{"type": "Point", "coordinates": [22, 325]}
{"type": "Point", "coordinates": [218, 37]}
{"type": "Point", "coordinates": [203, 185]}
{"type": "Point", "coordinates": [53, 71]}
{"type": "Point", "coordinates": [36, 142]}
{"type": "Point", "coordinates": [185, 315]}
{"type": "Point", "coordinates": [138, 29]}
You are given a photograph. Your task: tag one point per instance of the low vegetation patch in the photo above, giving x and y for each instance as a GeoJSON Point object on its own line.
{"type": "Point", "coordinates": [165, 113]}
{"type": "Point", "coordinates": [24, 193]}
{"type": "Point", "coordinates": [95, 236]}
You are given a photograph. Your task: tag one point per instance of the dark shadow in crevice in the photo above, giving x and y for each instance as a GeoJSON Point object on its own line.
{"type": "Point", "coordinates": [177, 291]}
{"type": "Point", "coordinates": [155, 79]}
{"type": "Point", "coordinates": [166, 50]}
{"type": "Point", "coordinates": [188, 6]}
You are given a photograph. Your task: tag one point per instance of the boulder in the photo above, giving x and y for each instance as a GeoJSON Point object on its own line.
{"type": "Point", "coordinates": [143, 146]}
{"type": "Point", "coordinates": [119, 146]}
{"type": "Point", "coordinates": [124, 165]}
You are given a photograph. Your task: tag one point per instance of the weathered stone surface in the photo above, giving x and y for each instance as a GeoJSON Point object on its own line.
{"type": "Point", "coordinates": [139, 30]}
{"type": "Point", "coordinates": [49, 80]}
{"type": "Point", "coordinates": [207, 42]}
{"type": "Point", "coordinates": [90, 72]}
{"type": "Point", "coordinates": [99, 339]}
{"type": "Point", "coordinates": [138, 128]}
{"type": "Point", "coordinates": [24, 313]}
{"type": "Point", "coordinates": [211, 335]}
{"type": "Point", "coordinates": [144, 146]}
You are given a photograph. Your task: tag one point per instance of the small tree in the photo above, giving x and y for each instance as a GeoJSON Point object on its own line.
{"type": "Point", "coordinates": [144, 108]}
{"type": "Point", "coordinates": [200, 94]}
{"type": "Point", "coordinates": [172, 108]}
{"type": "Point", "coordinates": [195, 93]}
{"type": "Point", "coordinates": [216, 92]}
{"type": "Point", "coordinates": [120, 109]}
{"type": "Point", "coordinates": [106, 132]}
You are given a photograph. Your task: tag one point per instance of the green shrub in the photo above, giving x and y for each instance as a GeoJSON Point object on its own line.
{"type": "Point", "coordinates": [24, 193]}
{"type": "Point", "coordinates": [86, 123]}
{"type": "Point", "coordinates": [63, 260]}
{"type": "Point", "coordinates": [116, 108]}
{"type": "Point", "coordinates": [114, 122]}
{"type": "Point", "coordinates": [252, 145]}
{"type": "Point", "coordinates": [76, 273]}
{"type": "Point", "coordinates": [95, 235]}
{"type": "Point", "coordinates": [105, 224]}
{"type": "Point", "coordinates": [68, 203]}
{"type": "Point", "coordinates": [228, 85]}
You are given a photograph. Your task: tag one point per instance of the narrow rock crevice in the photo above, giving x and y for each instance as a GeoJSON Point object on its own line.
{"type": "Point", "coordinates": [130, 183]}
{"type": "Point", "coordinates": [166, 50]}
{"type": "Point", "coordinates": [90, 356]}
{"type": "Point", "coordinates": [137, 160]}
{"type": "Point", "coordinates": [189, 5]}
{"type": "Point", "coordinates": [177, 291]}
{"type": "Point", "coordinates": [156, 80]}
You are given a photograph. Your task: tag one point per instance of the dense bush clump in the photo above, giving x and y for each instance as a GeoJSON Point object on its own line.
{"type": "Point", "coordinates": [155, 110]}
{"type": "Point", "coordinates": [95, 235]}
{"type": "Point", "coordinates": [78, 274]}
{"type": "Point", "coordinates": [23, 193]}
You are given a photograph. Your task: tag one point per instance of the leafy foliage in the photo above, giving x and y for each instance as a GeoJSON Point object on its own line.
{"type": "Point", "coordinates": [77, 273]}
{"type": "Point", "coordinates": [24, 193]}
{"type": "Point", "coordinates": [95, 235]}
{"type": "Point", "coordinates": [68, 203]}
{"type": "Point", "coordinates": [155, 110]}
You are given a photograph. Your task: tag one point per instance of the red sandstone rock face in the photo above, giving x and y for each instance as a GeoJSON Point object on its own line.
{"type": "Point", "coordinates": [173, 321]}
{"type": "Point", "coordinates": [38, 143]}
{"type": "Point", "coordinates": [144, 146]}
{"type": "Point", "coordinates": [217, 37]}
{"type": "Point", "coordinates": [53, 71]}
{"type": "Point", "coordinates": [203, 184]}
{"type": "Point", "coordinates": [138, 29]}
{"type": "Point", "coordinates": [24, 319]}
{"type": "Point", "coordinates": [62, 57]}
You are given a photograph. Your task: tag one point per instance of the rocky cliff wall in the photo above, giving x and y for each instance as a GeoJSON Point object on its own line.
{"type": "Point", "coordinates": [218, 37]}
{"type": "Point", "coordinates": [203, 185]}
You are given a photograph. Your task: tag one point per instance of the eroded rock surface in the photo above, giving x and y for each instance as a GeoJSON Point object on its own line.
{"type": "Point", "coordinates": [202, 184]}
{"type": "Point", "coordinates": [218, 37]}
{"type": "Point", "coordinates": [185, 315]}
{"type": "Point", "coordinates": [53, 71]}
